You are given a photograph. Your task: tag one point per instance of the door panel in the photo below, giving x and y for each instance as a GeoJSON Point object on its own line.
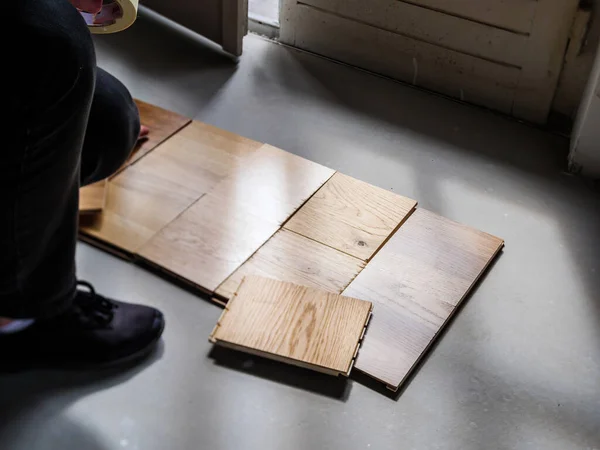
{"type": "Point", "coordinates": [513, 15]}
{"type": "Point", "coordinates": [507, 55]}
{"type": "Point", "coordinates": [221, 21]}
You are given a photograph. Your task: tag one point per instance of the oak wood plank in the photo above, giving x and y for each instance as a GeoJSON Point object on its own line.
{"type": "Point", "coordinates": [288, 256]}
{"type": "Point", "coordinates": [216, 235]}
{"type": "Point", "coordinates": [415, 282]}
{"type": "Point", "coordinates": [351, 216]}
{"type": "Point", "coordinates": [137, 206]}
{"type": "Point", "coordinates": [162, 124]}
{"type": "Point", "coordinates": [295, 324]}
{"type": "Point", "coordinates": [145, 197]}
{"type": "Point", "coordinates": [273, 184]}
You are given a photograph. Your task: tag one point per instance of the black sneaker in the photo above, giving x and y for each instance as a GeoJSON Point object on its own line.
{"type": "Point", "coordinates": [95, 331]}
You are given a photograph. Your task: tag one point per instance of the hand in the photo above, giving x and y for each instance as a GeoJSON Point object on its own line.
{"type": "Point", "coordinates": [88, 6]}
{"type": "Point", "coordinates": [110, 12]}
{"type": "Point", "coordinates": [144, 131]}
{"type": "Point", "coordinates": [98, 12]}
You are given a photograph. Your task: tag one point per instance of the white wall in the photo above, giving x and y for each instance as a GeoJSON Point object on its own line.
{"type": "Point", "coordinates": [585, 139]}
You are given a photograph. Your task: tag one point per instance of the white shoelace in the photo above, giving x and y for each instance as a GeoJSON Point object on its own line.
{"type": "Point", "coordinates": [16, 325]}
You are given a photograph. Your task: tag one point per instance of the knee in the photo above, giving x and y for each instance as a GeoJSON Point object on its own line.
{"type": "Point", "coordinates": [113, 129]}
{"type": "Point", "coordinates": [121, 132]}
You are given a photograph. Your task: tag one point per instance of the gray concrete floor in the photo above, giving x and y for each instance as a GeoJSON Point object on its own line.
{"type": "Point", "coordinates": [518, 368]}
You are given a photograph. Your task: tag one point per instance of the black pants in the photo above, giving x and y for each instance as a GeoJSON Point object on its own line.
{"type": "Point", "coordinates": [69, 124]}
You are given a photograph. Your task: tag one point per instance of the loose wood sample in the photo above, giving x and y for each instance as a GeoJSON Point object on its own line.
{"type": "Point", "coordinates": [145, 197]}
{"type": "Point", "coordinates": [415, 282]}
{"type": "Point", "coordinates": [287, 256]}
{"type": "Point", "coordinates": [294, 324]}
{"type": "Point", "coordinates": [92, 197]}
{"type": "Point", "coordinates": [351, 216]}
{"type": "Point", "coordinates": [212, 238]}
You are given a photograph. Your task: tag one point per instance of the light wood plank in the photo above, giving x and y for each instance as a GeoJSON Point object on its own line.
{"type": "Point", "coordinates": [516, 15]}
{"type": "Point", "coordinates": [433, 27]}
{"type": "Point", "coordinates": [137, 206]}
{"type": "Point", "coordinates": [273, 184]}
{"type": "Point", "coordinates": [199, 156]}
{"type": "Point", "coordinates": [216, 235]}
{"type": "Point", "coordinates": [208, 242]}
{"type": "Point", "coordinates": [148, 195]}
{"type": "Point", "coordinates": [162, 124]}
{"type": "Point", "coordinates": [92, 198]}
{"type": "Point", "coordinates": [296, 324]}
{"type": "Point", "coordinates": [415, 282]}
{"type": "Point", "coordinates": [458, 75]}
{"type": "Point", "coordinates": [351, 216]}
{"type": "Point", "coordinates": [287, 256]}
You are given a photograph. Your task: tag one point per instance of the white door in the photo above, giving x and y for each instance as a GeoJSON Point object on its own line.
{"type": "Point", "coordinates": [503, 54]}
{"type": "Point", "coordinates": [222, 21]}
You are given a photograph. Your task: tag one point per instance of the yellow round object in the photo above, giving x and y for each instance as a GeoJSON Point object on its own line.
{"type": "Point", "coordinates": [129, 8]}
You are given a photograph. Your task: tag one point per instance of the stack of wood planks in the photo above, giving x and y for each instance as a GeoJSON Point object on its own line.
{"type": "Point", "coordinates": [299, 254]}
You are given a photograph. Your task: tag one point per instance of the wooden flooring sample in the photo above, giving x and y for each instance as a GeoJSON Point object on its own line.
{"type": "Point", "coordinates": [216, 235]}
{"type": "Point", "coordinates": [92, 197]}
{"type": "Point", "coordinates": [351, 216]}
{"type": "Point", "coordinates": [273, 184]}
{"type": "Point", "coordinates": [287, 256]}
{"type": "Point", "coordinates": [199, 156]}
{"type": "Point", "coordinates": [299, 325]}
{"type": "Point", "coordinates": [415, 283]}
{"type": "Point", "coordinates": [145, 197]}
{"type": "Point", "coordinates": [137, 206]}
{"type": "Point", "coordinates": [162, 124]}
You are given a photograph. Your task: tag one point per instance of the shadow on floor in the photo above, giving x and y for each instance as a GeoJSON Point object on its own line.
{"type": "Point", "coordinates": [42, 396]}
{"type": "Point", "coordinates": [334, 387]}
{"type": "Point", "coordinates": [169, 58]}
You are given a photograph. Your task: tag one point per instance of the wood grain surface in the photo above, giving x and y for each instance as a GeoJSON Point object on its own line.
{"type": "Point", "coordinates": [145, 197]}
{"type": "Point", "coordinates": [287, 256]}
{"type": "Point", "coordinates": [415, 283]}
{"type": "Point", "coordinates": [296, 324]}
{"type": "Point", "coordinates": [162, 124]}
{"type": "Point", "coordinates": [216, 235]}
{"type": "Point", "coordinates": [137, 206]}
{"type": "Point", "coordinates": [351, 216]}
{"type": "Point", "coordinates": [273, 184]}
{"type": "Point", "coordinates": [92, 198]}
